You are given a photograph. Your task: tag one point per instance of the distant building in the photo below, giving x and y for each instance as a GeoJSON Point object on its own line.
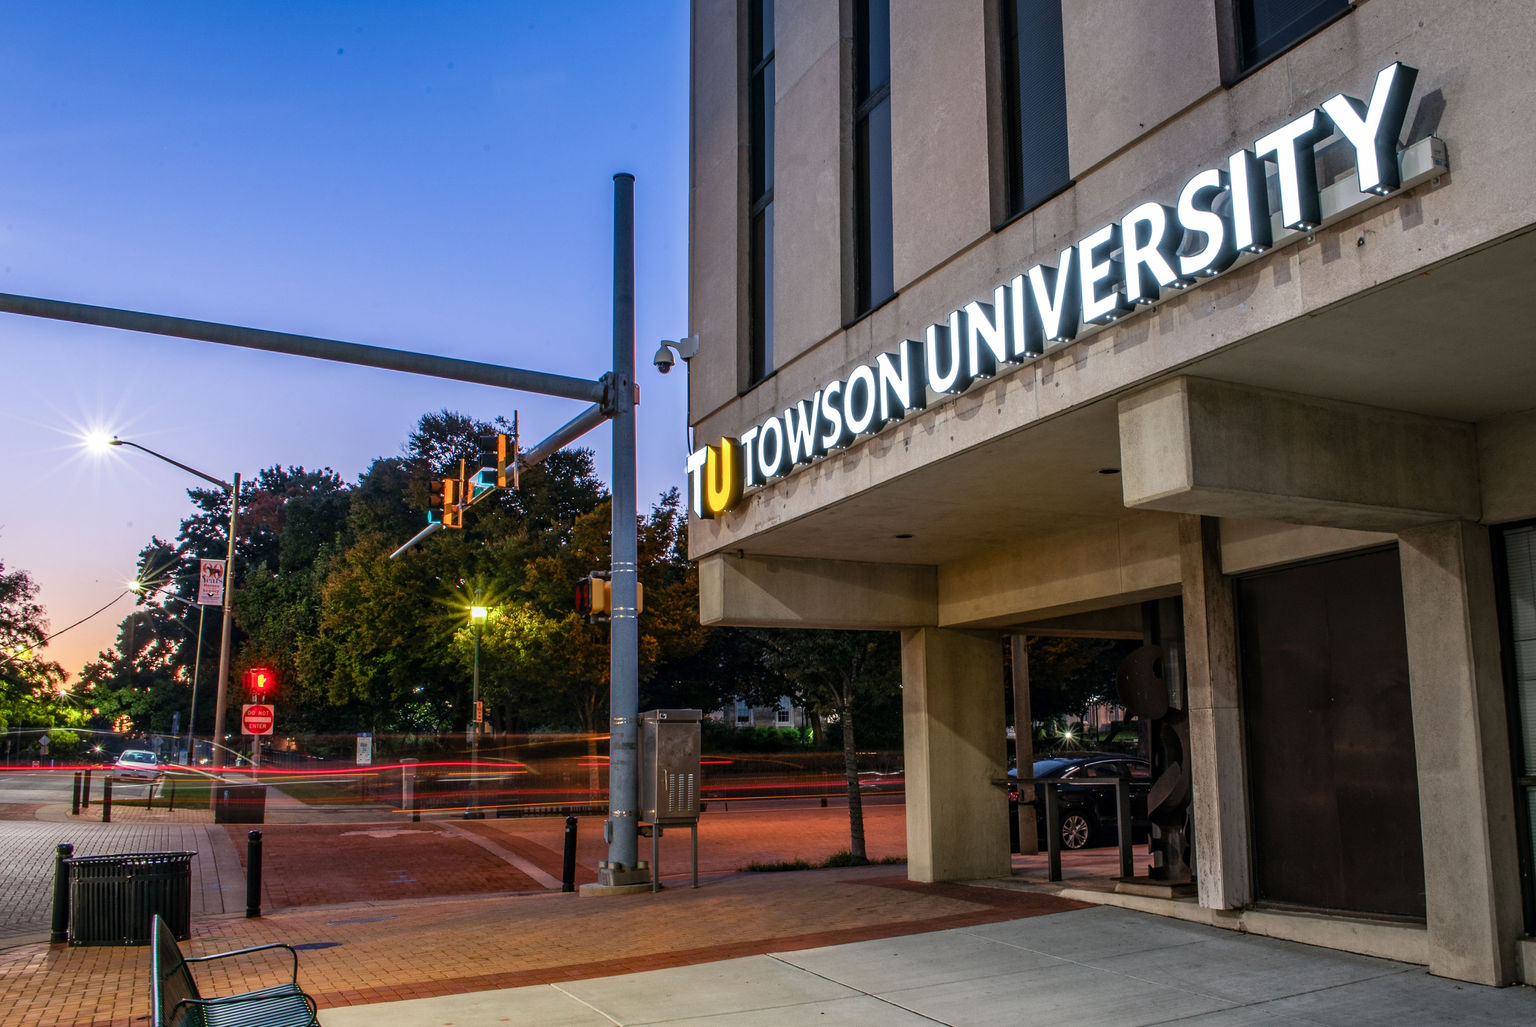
{"type": "Point", "coordinates": [741, 714]}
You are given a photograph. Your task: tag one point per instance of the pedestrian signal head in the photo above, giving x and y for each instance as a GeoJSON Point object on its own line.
{"type": "Point", "coordinates": [260, 681]}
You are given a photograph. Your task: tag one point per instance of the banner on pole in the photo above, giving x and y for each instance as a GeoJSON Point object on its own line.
{"type": "Point", "coordinates": [210, 582]}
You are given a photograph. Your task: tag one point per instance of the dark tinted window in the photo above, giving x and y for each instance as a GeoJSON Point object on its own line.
{"type": "Point", "coordinates": [1519, 593]}
{"type": "Point", "coordinates": [874, 272]}
{"type": "Point", "coordinates": [1034, 102]}
{"type": "Point", "coordinates": [760, 187]}
{"type": "Point", "coordinates": [1267, 28]}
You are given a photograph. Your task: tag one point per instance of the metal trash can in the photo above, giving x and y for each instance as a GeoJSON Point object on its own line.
{"type": "Point", "coordinates": [113, 899]}
{"type": "Point", "coordinates": [240, 804]}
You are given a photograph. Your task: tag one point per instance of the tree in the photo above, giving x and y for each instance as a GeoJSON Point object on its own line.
{"type": "Point", "coordinates": [28, 685]}
{"type": "Point", "coordinates": [364, 642]}
{"type": "Point", "coordinates": [1067, 675]}
{"type": "Point", "coordinates": [836, 673]}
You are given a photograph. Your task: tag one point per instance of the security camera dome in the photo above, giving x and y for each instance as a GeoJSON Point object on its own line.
{"type": "Point", "coordinates": [664, 359]}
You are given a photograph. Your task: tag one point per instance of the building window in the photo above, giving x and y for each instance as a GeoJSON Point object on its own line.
{"type": "Point", "coordinates": [874, 275]}
{"type": "Point", "coordinates": [1519, 614]}
{"type": "Point", "coordinates": [1267, 28]}
{"type": "Point", "coordinates": [782, 716]}
{"type": "Point", "coordinates": [1034, 103]}
{"type": "Point", "coordinates": [760, 187]}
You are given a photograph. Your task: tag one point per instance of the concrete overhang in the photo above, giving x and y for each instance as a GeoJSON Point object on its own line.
{"type": "Point", "coordinates": [1018, 460]}
{"type": "Point", "coordinates": [1193, 445]}
{"type": "Point", "coordinates": [751, 591]}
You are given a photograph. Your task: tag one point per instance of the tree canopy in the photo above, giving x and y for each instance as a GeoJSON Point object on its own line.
{"type": "Point", "coordinates": [362, 642]}
{"type": "Point", "coordinates": [28, 683]}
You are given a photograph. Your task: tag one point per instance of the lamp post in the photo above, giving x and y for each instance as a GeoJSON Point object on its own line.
{"type": "Point", "coordinates": [220, 706]}
{"type": "Point", "coordinates": [477, 617]}
{"type": "Point", "coordinates": [197, 663]}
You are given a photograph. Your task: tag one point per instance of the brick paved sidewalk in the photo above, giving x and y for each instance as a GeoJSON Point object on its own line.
{"type": "Point", "coordinates": [397, 909]}
{"type": "Point", "coordinates": [374, 952]}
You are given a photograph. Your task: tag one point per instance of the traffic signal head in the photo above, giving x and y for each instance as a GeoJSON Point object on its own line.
{"type": "Point", "coordinates": [493, 455]}
{"type": "Point", "coordinates": [260, 681]}
{"type": "Point", "coordinates": [442, 503]}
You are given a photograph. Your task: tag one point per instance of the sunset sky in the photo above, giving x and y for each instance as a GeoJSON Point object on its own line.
{"type": "Point", "coordinates": [424, 176]}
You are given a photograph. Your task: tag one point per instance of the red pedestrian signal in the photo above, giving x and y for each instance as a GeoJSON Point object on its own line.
{"type": "Point", "coordinates": [260, 681]}
{"type": "Point", "coordinates": [590, 595]}
{"type": "Point", "coordinates": [594, 597]}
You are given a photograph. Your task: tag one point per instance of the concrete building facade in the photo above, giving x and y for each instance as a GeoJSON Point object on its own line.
{"type": "Point", "coordinates": [1236, 355]}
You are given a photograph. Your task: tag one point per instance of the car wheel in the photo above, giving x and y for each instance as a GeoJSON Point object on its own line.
{"type": "Point", "coordinates": [1075, 830]}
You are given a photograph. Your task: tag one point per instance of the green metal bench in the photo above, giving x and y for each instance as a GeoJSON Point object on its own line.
{"type": "Point", "coordinates": [178, 1002]}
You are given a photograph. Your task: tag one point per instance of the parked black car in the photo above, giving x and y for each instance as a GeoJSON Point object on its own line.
{"type": "Point", "coordinates": [1087, 811]}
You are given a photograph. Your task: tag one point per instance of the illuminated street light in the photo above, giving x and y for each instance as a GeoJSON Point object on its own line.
{"type": "Point", "coordinates": [477, 615]}
{"type": "Point", "coordinates": [221, 703]}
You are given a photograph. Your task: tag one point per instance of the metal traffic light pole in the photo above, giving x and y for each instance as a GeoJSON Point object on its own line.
{"type": "Point", "coordinates": [620, 869]}
{"type": "Point", "coordinates": [221, 696]}
{"type": "Point", "coordinates": [221, 702]}
{"type": "Point", "coordinates": [613, 396]}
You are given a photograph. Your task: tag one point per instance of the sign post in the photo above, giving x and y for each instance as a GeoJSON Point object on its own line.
{"type": "Point", "coordinates": [256, 719]}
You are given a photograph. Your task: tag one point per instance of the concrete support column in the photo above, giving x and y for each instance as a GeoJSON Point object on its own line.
{"type": "Point", "coordinates": [1024, 745]}
{"type": "Point", "coordinates": [1461, 741]}
{"type": "Point", "coordinates": [1218, 765]}
{"type": "Point", "coordinates": [955, 740]}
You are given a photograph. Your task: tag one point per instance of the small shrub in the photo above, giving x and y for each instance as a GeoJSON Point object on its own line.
{"type": "Point", "coordinates": [845, 858]}
{"type": "Point", "coordinates": [773, 868]}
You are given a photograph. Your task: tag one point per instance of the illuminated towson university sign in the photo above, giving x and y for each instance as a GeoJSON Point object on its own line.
{"type": "Point", "coordinates": [1222, 215]}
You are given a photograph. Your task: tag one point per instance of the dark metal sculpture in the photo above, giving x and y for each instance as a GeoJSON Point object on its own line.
{"type": "Point", "coordinates": [1143, 691]}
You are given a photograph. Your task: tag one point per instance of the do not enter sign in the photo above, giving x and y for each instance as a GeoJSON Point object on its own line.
{"type": "Point", "coordinates": [256, 719]}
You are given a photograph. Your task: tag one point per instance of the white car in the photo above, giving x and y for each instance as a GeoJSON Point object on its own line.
{"type": "Point", "coordinates": [138, 763]}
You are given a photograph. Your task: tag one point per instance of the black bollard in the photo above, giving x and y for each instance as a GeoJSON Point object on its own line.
{"type": "Point", "coordinates": [60, 930]}
{"type": "Point", "coordinates": [85, 790]}
{"type": "Point", "coordinates": [74, 797]}
{"type": "Point", "coordinates": [170, 805]}
{"type": "Point", "coordinates": [253, 875]}
{"type": "Point", "coordinates": [106, 800]}
{"type": "Point", "coordinates": [568, 872]}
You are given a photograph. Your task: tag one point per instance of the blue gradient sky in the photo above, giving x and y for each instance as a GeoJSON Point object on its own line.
{"type": "Point", "coordinates": [429, 176]}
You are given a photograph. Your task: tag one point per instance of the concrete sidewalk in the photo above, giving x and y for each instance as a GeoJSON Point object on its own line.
{"type": "Point", "coordinates": [1098, 966]}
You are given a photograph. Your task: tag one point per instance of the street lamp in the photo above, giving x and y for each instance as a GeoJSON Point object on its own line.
{"type": "Point", "coordinates": [197, 663]}
{"type": "Point", "coordinates": [220, 706]}
{"type": "Point", "coordinates": [477, 617]}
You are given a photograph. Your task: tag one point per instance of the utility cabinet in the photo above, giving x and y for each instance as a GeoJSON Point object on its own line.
{"type": "Point", "coordinates": [669, 766]}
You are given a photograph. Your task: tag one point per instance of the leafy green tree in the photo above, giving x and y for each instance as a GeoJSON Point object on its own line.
{"type": "Point", "coordinates": [360, 641]}
{"type": "Point", "coordinates": [836, 674]}
{"type": "Point", "coordinates": [28, 685]}
{"type": "Point", "coordinates": [1068, 675]}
